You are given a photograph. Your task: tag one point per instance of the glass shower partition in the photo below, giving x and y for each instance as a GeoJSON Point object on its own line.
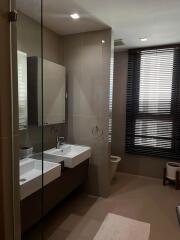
{"type": "Point", "coordinates": [30, 104]}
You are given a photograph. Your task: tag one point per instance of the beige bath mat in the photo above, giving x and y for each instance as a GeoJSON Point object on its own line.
{"type": "Point", "coordinates": [116, 227]}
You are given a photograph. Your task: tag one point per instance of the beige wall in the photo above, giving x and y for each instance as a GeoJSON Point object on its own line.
{"type": "Point", "coordinates": [53, 46]}
{"type": "Point", "coordinates": [28, 35]}
{"type": "Point", "coordinates": [6, 158]}
{"type": "Point", "coordinates": [88, 67]}
{"type": "Point", "coordinates": [29, 41]}
{"type": "Point", "coordinates": [134, 164]}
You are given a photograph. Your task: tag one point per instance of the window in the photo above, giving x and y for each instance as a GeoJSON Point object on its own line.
{"type": "Point", "coordinates": [153, 105]}
{"type": "Point", "coordinates": [22, 89]}
{"type": "Point", "coordinates": [111, 99]}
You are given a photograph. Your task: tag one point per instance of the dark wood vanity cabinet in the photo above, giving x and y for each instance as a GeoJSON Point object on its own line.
{"type": "Point", "coordinates": [44, 200]}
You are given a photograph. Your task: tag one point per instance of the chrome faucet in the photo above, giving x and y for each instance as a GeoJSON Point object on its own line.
{"type": "Point", "coordinates": [59, 141]}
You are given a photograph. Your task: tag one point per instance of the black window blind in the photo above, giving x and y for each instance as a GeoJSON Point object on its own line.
{"type": "Point", "coordinates": [153, 102]}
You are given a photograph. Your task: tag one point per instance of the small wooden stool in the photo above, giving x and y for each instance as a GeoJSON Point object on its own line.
{"type": "Point", "coordinates": [167, 180]}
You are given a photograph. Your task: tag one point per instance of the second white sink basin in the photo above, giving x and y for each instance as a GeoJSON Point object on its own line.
{"type": "Point", "coordinates": [72, 155]}
{"type": "Point", "coordinates": [31, 175]}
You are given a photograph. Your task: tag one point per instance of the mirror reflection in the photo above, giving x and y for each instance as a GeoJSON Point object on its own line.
{"type": "Point", "coordinates": [22, 90]}
{"type": "Point", "coordinates": [29, 91]}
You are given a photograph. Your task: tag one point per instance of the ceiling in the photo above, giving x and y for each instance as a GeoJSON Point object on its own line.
{"type": "Point", "coordinates": [130, 20]}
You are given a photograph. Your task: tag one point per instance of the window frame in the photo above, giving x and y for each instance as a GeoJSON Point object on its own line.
{"type": "Point", "coordinates": [132, 113]}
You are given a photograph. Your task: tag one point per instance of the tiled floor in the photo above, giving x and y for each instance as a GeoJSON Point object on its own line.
{"type": "Point", "coordinates": [140, 198]}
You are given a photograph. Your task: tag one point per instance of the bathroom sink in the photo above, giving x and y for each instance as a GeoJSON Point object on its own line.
{"type": "Point", "coordinates": [64, 149]}
{"type": "Point", "coordinates": [72, 155]}
{"type": "Point", "coordinates": [31, 175]}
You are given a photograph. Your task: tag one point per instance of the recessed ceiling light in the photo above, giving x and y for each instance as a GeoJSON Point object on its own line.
{"type": "Point", "coordinates": [75, 16]}
{"type": "Point", "coordinates": [103, 41]}
{"type": "Point", "coordinates": [143, 39]}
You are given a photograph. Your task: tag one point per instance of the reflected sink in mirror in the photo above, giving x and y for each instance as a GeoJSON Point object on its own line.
{"type": "Point", "coordinates": [31, 175]}
{"type": "Point", "coordinates": [72, 155]}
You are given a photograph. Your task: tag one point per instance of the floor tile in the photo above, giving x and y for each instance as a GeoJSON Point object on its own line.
{"type": "Point", "coordinates": [145, 199]}
{"type": "Point", "coordinates": [71, 222]}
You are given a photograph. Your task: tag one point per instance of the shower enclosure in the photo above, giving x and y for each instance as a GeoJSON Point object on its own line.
{"type": "Point", "coordinates": [24, 134]}
{"type": "Point", "coordinates": [30, 124]}
{"type": "Point", "coordinates": [19, 138]}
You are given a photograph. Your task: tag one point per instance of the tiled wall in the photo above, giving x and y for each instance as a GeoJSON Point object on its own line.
{"type": "Point", "coordinates": [29, 41]}
{"type": "Point", "coordinates": [33, 136]}
{"type": "Point", "coordinates": [134, 164]}
{"type": "Point", "coordinates": [87, 61]}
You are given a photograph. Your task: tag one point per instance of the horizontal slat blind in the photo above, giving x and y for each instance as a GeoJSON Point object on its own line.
{"type": "Point", "coordinates": [156, 73]}
{"type": "Point", "coordinates": [110, 99]}
{"type": "Point", "coordinates": [22, 89]}
{"type": "Point", "coordinates": [153, 102]}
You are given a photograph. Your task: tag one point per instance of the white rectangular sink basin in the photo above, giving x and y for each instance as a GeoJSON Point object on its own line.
{"type": "Point", "coordinates": [31, 175]}
{"type": "Point", "coordinates": [72, 155]}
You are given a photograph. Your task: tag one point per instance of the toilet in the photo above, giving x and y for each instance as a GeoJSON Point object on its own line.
{"type": "Point", "coordinates": [114, 162]}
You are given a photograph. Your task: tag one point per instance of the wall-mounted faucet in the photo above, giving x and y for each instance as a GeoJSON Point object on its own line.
{"type": "Point", "coordinates": [59, 141]}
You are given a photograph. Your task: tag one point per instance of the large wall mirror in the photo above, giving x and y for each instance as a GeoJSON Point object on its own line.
{"type": "Point", "coordinates": [54, 91]}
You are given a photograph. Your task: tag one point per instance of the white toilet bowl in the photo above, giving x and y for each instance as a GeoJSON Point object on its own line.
{"type": "Point", "coordinates": [114, 162]}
